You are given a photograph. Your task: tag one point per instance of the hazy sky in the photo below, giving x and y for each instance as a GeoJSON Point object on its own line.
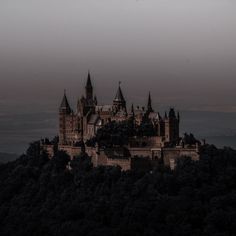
{"type": "Point", "coordinates": [184, 51]}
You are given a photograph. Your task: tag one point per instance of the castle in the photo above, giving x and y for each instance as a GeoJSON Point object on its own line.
{"type": "Point", "coordinates": [90, 117]}
{"type": "Point", "coordinates": [141, 152]}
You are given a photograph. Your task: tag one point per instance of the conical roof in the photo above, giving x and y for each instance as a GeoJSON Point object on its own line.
{"type": "Point", "coordinates": [65, 104]}
{"type": "Point", "coordinates": [89, 83]}
{"type": "Point", "coordinates": [119, 95]}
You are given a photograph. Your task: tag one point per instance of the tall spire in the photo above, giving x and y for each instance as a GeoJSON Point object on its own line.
{"type": "Point", "coordinates": [149, 106]}
{"type": "Point", "coordinates": [89, 88]}
{"type": "Point", "coordinates": [65, 107]}
{"type": "Point", "coordinates": [119, 95]}
{"type": "Point", "coordinates": [119, 100]}
{"type": "Point", "coordinates": [89, 83]}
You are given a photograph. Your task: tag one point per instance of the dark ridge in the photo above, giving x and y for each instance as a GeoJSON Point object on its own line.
{"type": "Point", "coordinates": [51, 197]}
{"type": "Point", "coordinates": [6, 157]}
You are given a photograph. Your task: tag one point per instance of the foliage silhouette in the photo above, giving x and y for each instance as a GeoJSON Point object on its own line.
{"type": "Point", "coordinates": [42, 197]}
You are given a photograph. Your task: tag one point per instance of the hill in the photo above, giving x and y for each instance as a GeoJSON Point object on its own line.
{"type": "Point", "coordinates": [5, 157]}
{"type": "Point", "coordinates": [42, 197]}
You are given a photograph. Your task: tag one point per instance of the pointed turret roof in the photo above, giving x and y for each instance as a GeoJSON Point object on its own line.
{"type": "Point", "coordinates": [119, 95]}
{"type": "Point", "coordinates": [149, 107]}
{"type": "Point", "coordinates": [65, 104]}
{"type": "Point", "coordinates": [89, 83]}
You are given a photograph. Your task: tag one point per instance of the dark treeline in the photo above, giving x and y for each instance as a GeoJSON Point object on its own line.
{"type": "Point", "coordinates": [39, 196]}
{"type": "Point", "coordinates": [118, 133]}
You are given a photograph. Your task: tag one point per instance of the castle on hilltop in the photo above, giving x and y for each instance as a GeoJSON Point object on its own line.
{"type": "Point", "coordinates": [76, 128]}
{"type": "Point", "coordinates": [90, 116]}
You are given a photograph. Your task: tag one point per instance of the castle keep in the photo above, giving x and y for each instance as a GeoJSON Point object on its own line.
{"type": "Point", "coordinates": [141, 152]}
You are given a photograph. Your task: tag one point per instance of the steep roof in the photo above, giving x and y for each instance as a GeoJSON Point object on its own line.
{"type": "Point", "coordinates": [89, 83]}
{"type": "Point", "coordinates": [119, 95]}
{"type": "Point", "coordinates": [65, 104]}
{"type": "Point", "coordinates": [149, 106]}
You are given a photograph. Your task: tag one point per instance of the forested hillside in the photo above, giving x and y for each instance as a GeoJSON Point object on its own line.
{"type": "Point", "coordinates": [42, 197]}
{"type": "Point", "coordinates": [6, 157]}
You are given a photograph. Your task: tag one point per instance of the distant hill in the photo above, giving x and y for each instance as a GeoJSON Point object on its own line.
{"type": "Point", "coordinates": [197, 198]}
{"type": "Point", "coordinates": [6, 157]}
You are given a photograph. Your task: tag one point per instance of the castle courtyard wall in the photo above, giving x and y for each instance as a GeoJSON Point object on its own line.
{"type": "Point", "coordinates": [170, 155]}
{"type": "Point", "coordinates": [140, 158]}
{"type": "Point", "coordinates": [125, 164]}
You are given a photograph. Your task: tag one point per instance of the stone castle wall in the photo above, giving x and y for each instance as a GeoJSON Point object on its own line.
{"type": "Point", "coordinates": [142, 142]}
{"type": "Point", "coordinates": [171, 155]}
{"type": "Point", "coordinates": [125, 163]}
{"type": "Point", "coordinates": [140, 158]}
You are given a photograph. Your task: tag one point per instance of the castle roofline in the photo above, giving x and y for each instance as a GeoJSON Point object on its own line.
{"type": "Point", "coordinates": [119, 95]}
{"type": "Point", "coordinates": [89, 83]}
{"type": "Point", "coordinates": [65, 104]}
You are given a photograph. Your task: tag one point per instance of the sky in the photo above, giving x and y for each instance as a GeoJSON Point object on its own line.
{"type": "Point", "coordinates": [183, 51]}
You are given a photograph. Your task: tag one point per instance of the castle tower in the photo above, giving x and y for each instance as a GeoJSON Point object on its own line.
{"type": "Point", "coordinates": [87, 103]}
{"type": "Point", "coordinates": [81, 106]}
{"type": "Point", "coordinates": [89, 88]}
{"type": "Point", "coordinates": [172, 126]}
{"type": "Point", "coordinates": [65, 114]}
{"type": "Point", "coordinates": [65, 107]}
{"type": "Point", "coordinates": [119, 102]}
{"type": "Point", "coordinates": [149, 105]}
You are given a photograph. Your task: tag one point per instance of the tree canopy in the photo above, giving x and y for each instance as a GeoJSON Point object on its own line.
{"type": "Point", "coordinates": [118, 133]}
{"type": "Point", "coordinates": [42, 197]}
